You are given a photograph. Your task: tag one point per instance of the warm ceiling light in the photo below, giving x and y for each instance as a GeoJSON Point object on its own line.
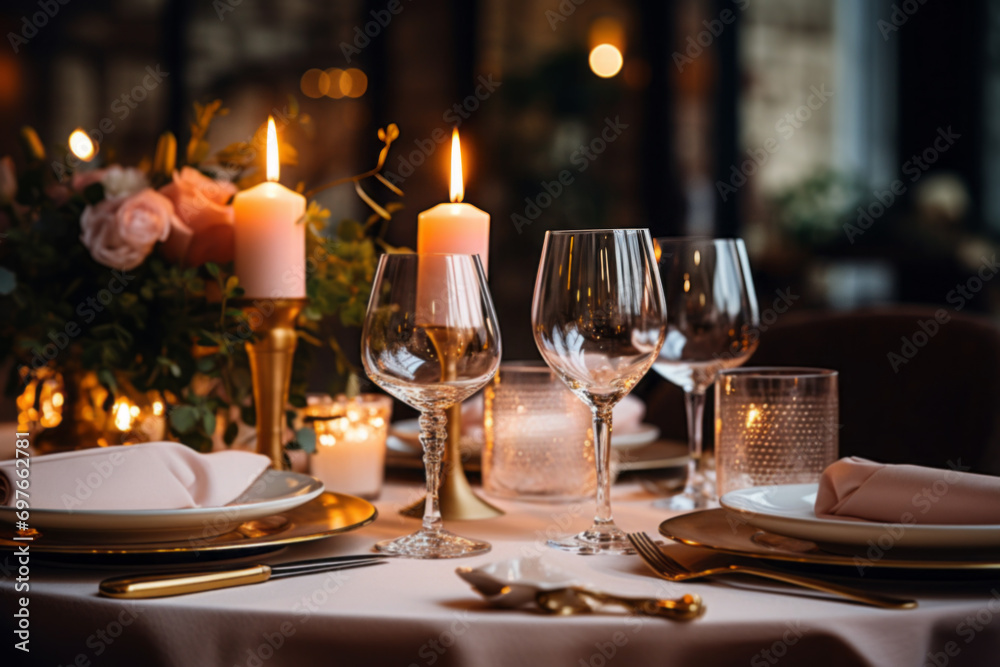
{"type": "Point", "coordinates": [606, 60]}
{"type": "Point", "coordinates": [81, 145]}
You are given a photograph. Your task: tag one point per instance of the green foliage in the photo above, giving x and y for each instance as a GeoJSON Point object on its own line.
{"type": "Point", "coordinates": [161, 328]}
{"type": "Point", "coordinates": [813, 211]}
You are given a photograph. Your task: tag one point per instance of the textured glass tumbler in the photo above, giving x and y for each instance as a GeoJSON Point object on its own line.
{"type": "Point", "coordinates": [774, 426]}
{"type": "Point", "coordinates": [538, 437]}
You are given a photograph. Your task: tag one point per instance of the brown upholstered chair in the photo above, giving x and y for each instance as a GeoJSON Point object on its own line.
{"type": "Point", "coordinates": [939, 404]}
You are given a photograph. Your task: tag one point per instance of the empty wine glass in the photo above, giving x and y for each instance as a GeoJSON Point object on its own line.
{"type": "Point", "coordinates": [712, 324]}
{"type": "Point", "coordinates": [431, 339]}
{"type": "Point", "coordinates": [598, 318]}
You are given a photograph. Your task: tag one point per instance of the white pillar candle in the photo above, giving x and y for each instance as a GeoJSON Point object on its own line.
{"type": "Point", "coordinates": [454, 228]}
{"type": "Point", "coordinates": [270, 235]}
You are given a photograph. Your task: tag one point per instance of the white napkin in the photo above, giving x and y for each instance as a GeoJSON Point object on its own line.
{"type": "Point", "coordinates": [151, 476]}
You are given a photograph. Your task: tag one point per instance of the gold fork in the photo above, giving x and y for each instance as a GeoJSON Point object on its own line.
{"type": "Point", "coordinates": [671, 570]}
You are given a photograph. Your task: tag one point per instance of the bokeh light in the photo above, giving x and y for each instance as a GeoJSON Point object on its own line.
{"type": "Point", "coordinates": [314, 83]}
{"type": "Point", "coordinates": [81, 145]}
{"type": "Point", "coordinates": [356, 83]}
{"type": "Point", "coordinates": [606, 60]}
{"type": "Point", "coordinates": [606, 30]}
{"type": "Point", "coordinates": [336, 89]}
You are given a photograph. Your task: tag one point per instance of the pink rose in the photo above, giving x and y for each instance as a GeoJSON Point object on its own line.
{"type": "Point", "coordinates": [8, 180]}
{"type": "Point", "coordinates": [204, 232]}
{"type": "Point", "coordinates": [120, 233]}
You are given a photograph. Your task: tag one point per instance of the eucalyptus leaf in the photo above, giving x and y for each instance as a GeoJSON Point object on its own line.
{"type": "Point", "coordinates": [306, 439]}
{"type": "Point", "coordinates": [183, 418]}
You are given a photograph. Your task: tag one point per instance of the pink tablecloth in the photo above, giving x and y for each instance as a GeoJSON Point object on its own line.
{"type": "Point", "coordinates": [419, 613]}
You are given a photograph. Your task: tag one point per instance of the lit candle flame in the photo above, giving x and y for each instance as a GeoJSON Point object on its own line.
{"type": "Point", "coordinates": [457, 183]}
{"type": "Point", "coordinates": [122, 415]}
{"type": "Point", "coordinates": [81, 145]}
{"type": "Point", "coordinates": [272, 150]}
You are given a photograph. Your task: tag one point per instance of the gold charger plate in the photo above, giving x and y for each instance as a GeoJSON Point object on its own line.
{"type": "Point", "coordinates": [326, 515]}
{"type": "Point", "coordinates": [728, 532]}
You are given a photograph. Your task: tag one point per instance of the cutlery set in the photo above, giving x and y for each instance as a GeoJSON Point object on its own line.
{"type": "Point", "coordinates": [563, 600]}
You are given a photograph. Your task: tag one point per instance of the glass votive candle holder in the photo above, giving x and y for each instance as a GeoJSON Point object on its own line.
{"type": "Point", "coordinates": [774, 426]}
{"type": "Point", "coordinates": [538, 437]}
{"type": "Point", "coordinates": [350, 442]}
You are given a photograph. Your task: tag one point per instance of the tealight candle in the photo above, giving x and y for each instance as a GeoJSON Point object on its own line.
{"type": "Point", "coordinates": [350, 443]}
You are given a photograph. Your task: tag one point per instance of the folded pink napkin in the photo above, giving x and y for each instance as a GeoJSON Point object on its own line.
{"type": "Point", "coordinates": [855, 488]}
{"type": "Point", "coordinates": [155, 475]}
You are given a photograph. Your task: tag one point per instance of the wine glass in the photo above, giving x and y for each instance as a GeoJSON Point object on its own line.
{"type": "Point", "coordinates": [598, 318]}
{"type": "Point", "coordinates": [712, 324]}
{"type": "Point", "coordinates": [431, 339]}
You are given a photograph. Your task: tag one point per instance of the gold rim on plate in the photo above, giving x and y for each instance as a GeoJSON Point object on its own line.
{"type": "Point", "coordinates": [328, 514]}
{"type": "Point", "coordinates": [728, 532]}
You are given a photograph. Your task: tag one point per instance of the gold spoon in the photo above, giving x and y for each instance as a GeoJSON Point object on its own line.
{"type": "Point", "coordinates": [577, 600]}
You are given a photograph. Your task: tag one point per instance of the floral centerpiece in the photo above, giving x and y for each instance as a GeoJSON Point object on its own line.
{"type": "Point", "coordinates": [118, 281]}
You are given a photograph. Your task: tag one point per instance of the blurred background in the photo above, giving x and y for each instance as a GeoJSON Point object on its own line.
{"type": "Point", "coordinates": [851, 143]}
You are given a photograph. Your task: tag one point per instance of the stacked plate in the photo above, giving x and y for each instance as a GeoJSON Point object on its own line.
{"type": "Point", "coordinates": [281, 508]}
{"type": "Point", "coordinates": [778, 523]}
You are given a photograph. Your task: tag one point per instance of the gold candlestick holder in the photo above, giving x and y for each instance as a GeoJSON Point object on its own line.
{"type": "Point", "coordinates": [456, 499]}
{"type": "Point", "coordinates": [271, 353]}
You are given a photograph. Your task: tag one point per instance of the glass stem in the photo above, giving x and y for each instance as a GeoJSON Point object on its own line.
{"type": "Point", "coordinates": [694, 403]}
{"type": "Point", "coordinates": [602, 449]}
{"type": "Point", "coordinates": [433, 434]}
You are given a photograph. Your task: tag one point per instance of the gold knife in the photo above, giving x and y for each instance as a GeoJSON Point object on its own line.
{"type": "Point", "coordinates": [164, 584]}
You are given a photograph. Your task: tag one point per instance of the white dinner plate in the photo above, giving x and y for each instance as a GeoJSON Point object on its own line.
{"type": "Point", "coordinates": [788, 510]}
{"type": "Point", "coordinates": [408, 432]}
{"type": "Point", "coordinates": [273, 492]}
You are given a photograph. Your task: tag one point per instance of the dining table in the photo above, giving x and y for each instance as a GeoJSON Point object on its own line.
{"type": "Point", "coordinates": [417, 613]}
